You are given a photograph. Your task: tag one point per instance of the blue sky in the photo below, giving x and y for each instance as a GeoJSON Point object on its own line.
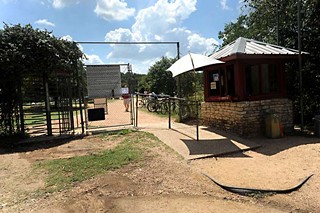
{"type": "Point", "coordinates": [193, 23]}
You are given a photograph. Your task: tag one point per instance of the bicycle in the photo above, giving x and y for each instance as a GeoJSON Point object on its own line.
{"type": "Point", "coordinates": [154, 106]}
{"type": "Point", "coordinates": [176, 106]}
{"type": "Point", "coordinates": [143, 101]}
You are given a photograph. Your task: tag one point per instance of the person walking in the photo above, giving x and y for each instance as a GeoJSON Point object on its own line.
{"type": "Point", "coordinates": [126, 98]}
{"type": "Point", "coordinates": [126, 101]}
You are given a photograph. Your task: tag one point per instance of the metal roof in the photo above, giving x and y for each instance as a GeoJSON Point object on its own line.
{"type": "Point", "coordinates": [252, 47]}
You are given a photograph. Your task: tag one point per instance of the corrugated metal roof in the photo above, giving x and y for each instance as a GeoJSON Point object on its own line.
{"type": "Point", "coordinates": [251, 47]}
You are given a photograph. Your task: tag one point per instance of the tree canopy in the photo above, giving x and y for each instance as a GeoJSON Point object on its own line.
{"type": "Point", "coordinates": [158, 79]}
{"type": "Point", "coordinates": [26, 52]}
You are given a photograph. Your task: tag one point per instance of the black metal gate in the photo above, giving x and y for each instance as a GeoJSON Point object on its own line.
{"type": "Point", "coordinates": [110, 113]}
{"type": "Point", "coordinates": [52, 106]}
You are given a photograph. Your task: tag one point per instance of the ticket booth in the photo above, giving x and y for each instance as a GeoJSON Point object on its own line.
{"type": "Point", "coordinates": [250, 84]}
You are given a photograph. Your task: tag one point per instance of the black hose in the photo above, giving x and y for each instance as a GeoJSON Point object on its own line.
{"type": "Point", "coordinates": [240, 190]}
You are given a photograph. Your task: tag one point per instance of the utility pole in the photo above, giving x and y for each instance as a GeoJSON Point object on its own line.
{"type": "Point", "coordinates": [300, 64]}
{"type": "Point", "coordinates": [278, 35]}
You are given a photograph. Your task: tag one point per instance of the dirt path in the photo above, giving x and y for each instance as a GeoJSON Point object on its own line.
{"type": "Point", "coordinates": [165, 182]}
{"type": "Point", "coordinates": [158, 186]}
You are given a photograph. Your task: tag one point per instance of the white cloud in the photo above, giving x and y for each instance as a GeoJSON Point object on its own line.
{"type": "Point", "coordinates": [224, 5]}
{"type": "Point", "coordinates": [161, 17]}
{"type": "Point", "coordinates": [90, 58]}
{"type": "Point", "coordinates": [200, 44]}
{"type": "Point", "coordinates": [93, 59]}
{"type": "Point", "coordinates": [44, 22]}
{"type": "Point", "coordinates": [67, 38]}
{"type": "Point", "coordinates": [161, 22]}
{"type": "Point", "coordinates": [63, 3]}
{"type": "Point", "coordinates": [113, 10]}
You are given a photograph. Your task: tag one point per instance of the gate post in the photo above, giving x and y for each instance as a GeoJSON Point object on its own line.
{"type": "Point", "coordinates": [47, 104]}
{"type": "Point", "coordinates": [70, 107]}
{"type": "Point", "coordinates": [197, 114]}
{"type": "Point", "coordinates": [80, 96]}
{"type": "Point", "coordinates": [169, 112]}
{"type": "Point", "coordinates": [137, 102]}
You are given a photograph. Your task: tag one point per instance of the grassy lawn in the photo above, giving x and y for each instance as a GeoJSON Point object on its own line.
{"type": "Point", "coordinates": [40, 118]}
{"type": "Point", "coordinates": [64, 173]}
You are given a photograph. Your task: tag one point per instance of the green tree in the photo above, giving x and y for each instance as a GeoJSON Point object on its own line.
{"type": "Point", "coordinates": [190, 83]}
{"type": "Point", "coordinates": [234, 30]}
{"type": "Point", "coordinates": [158, 79]}
{"type": "Point", "coordinates": [133, 80]}
{"type": "Point", "coordinates": [26, 52]}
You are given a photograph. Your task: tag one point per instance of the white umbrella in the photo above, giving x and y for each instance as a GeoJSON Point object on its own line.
{"type": "Point", "coordinates": [191, 62]}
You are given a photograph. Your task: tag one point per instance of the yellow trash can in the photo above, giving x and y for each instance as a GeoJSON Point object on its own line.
{"type": "Point", "coordinates": [273, 126]}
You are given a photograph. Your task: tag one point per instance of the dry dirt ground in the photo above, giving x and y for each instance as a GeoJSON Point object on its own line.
{"type": "Point", "coordinates": [164, 182]}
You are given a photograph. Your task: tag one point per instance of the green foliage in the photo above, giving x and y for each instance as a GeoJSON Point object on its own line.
{"type": "Point", "coordinates": [191, 83]}
{"type": "Point", "coordinates": [25, 54]}
{"type": "Point", "coordinates": [234, 30]}
{"type": "Point", "coordinates": [116, 132]}
{"type": "Point", "coordinates": [25, 50]}
{"type": "Point", "coordinates": [133, 80]}
{"type": "Point", "coordinates": [158, 79]}
{"type": "Point", "coordinates": [275, 22]}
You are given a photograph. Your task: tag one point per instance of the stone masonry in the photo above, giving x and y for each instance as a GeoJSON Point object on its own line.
{"type": "Point", "coordinates": [246, 118]}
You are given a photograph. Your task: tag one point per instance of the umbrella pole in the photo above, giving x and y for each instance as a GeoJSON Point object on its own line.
{"type": "Point", "coordinates": [195, 96]}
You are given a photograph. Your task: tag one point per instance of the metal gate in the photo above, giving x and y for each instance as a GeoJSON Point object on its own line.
{"type": "Point", "coordinates": [52, 106]}
{"type": "Point", "coordinates": [104, 104]}
{"type": "Point", "coordinates": [110, 113]}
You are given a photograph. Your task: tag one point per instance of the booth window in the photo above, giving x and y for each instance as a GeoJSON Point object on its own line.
{"type": "Point", "coordinates": [230, 80]}
{"type": "Point", "coordinates": [221, 82]}
{"type": "Point", "coordinates": [214, 83]}
{"type": "Point", "coordinates": [262, 79]}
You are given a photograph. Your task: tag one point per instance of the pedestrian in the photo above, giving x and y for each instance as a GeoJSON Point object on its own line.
{"type": "Point", "coordinates": [126, 100]}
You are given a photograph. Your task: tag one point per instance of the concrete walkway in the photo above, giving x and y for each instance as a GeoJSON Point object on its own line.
{"type": "Point", "coordinates": [183, 138]}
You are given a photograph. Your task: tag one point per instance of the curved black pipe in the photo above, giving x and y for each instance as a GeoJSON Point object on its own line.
{"type": "Point", "coordinates": [240, 190]}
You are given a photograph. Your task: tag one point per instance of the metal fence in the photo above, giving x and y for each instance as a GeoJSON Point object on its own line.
{"type": "Point", "coordinates": [180, 109]}
{"type": "Point", "coordinates": [41, 104]}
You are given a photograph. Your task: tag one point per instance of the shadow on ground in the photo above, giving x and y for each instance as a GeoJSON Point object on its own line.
{"type": "Point", "coordinates": [269, 146]}
{"type": "Point", "coordinates": [36, 143]}
{"type": "Point", "coordinates": [212, 148]}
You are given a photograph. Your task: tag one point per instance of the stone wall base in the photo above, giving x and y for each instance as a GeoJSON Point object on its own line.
{"type": "Point", "coordinates": [246, 118]}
